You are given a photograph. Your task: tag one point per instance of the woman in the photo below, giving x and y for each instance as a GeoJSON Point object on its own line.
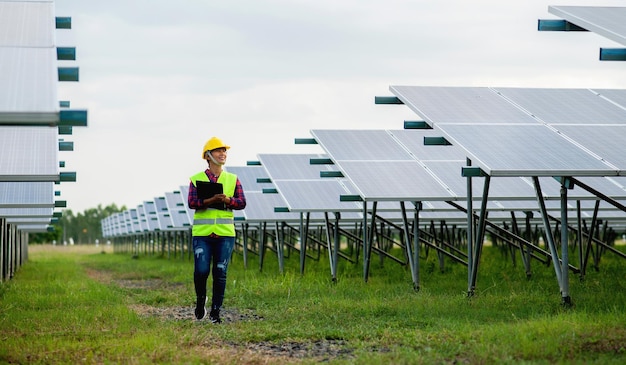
{"type": "Point", "coordinates": [213, 232]}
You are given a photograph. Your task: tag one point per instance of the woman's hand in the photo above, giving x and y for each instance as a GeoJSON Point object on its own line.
{"type": "Point", "coordinates": [217, 198]}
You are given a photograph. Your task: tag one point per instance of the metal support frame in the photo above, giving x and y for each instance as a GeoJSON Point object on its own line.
{"type": "Point", "coordinates": [470, 231]}
{"type": "Point", "coordinates": [560, 268]}
{"type": "Point", "coordinates": [366, 248]}
{"type": "Point", "coordinates": [262, 244]}
{"type": "Point", "coordinates": [412, 245]}
{"type": "Point", "coordinates": [278, 241]}
{"type": "Point", "coordinates": [304, 235]}
{"type": "Point", "coordinates": [567, 300]}
{"type": "Point", "coordinates": [479, 238]}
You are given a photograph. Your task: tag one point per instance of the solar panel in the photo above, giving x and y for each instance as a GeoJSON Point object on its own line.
{"type": "Point", "coordinates": [315, 195]}
{"type": "Point", "coordinates": [29, 77]}
{"type": "Point", "coordinates": [448, 216]}
{"type": "Point", "coordinates": [460, 105]}
{"type": "Point", "coordinates": [441, 167]}
{"type": "Point", "coordinates": [618, 181]}
{"type": "Point", "coordinates": [551, 188]}
{"type": "Point", "coordinates": [117, 219]}
{"type": "Point", "coordinates": [134, 220]}
{"type": "Point", "coordinates": [603, 20]}
{"type": "Point", "coordinates": [394, 180]}
{"type": "Point", "coordinates": [184, 190]}
{"type": "Point", "coordinates": [371, 145]}
{"type": "Point", "coordinates": [248, 176]}
{"type": "Point", "coordinates": [291, 166]}
{"type": "Point", "coordinates": [569, 106]}
{"type": "Point", "coordinates": [260, 208]}
{"type": "Point", "coordinates": [125, 224]}
{"type": "Point", "coordinates": [26, 194]}
{"type": "Point", "coordinates": [26, 212]}
{"type": "Point", "coordinates": [606, 142]}
{"type": "Point", "coordinates": [505, 188]}
{"type": "Point", "coordinates": [151, 215]}
{"type": "Point", "coordinates": [28, 221]}
{"type": "Point", "coordinates": [176, 206]}
{"type": "Point", "coordinates": [33, 228]}
{"type": "Point", "coordinates": [142, 217]}
{"type": "Point", "coordinates": [163, 214]}
{"type": "Point", "coordinates": [301, 186]}
{"type": "Point", "coordinates": [105, 226]}
{"type": "Point", "coordinates": [524, 150]}
{"type": "Point", "coordinates": [413, 140]}
{"type": "Point", "coordinates": [616, 96]}
{"type": "Point", "coordinates": [28, 154]}
{"type": "Point", "coordinates": [26, 23]}
{"type": "Point", "coordinates": [609, 186]}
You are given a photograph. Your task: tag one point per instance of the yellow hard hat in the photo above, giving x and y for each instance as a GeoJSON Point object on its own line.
{"type": "Point", "coordinates": [212, 144]}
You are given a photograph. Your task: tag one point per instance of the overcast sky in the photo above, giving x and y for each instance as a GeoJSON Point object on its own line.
{"type": "Point", "coordinates": [159, 78]}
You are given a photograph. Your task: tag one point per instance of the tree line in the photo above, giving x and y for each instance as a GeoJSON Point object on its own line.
{"type": "Point", "coordinates": [79, 228]}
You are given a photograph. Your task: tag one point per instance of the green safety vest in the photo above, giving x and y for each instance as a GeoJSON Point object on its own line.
{"type": "Point", "coordinates": [210, 220]}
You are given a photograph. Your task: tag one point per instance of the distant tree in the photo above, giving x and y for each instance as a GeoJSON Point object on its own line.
{"type": "Point", "coordinates": [44, 237]}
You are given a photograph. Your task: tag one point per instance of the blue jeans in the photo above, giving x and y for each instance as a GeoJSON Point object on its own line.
{"type": "Point", "coordinates": [207, 250]}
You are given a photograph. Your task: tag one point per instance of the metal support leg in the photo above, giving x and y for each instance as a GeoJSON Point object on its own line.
{"type": "Point", "coordinates": [279, 247]}
{"type": "Point", "coordinates": [550, 237]}
{"type": "Point", "coordinates": [337, 243]}
{"type": "Point", "coordinates": [262, 244]}
{"type": "Point", "coordinates": [370, 242]}
{"type": "Point", "coordinates": [470, 233]}
{"type": "Point", "coordinates": [330, 245]}
{"type": "Point", "coordinates": [567, 300]}
{"type": "Point", "coordinates": [480, 235]}
{"type": "Point", "coordinates": [412, 245]}
{"type": "Point", "coordinates": [304, 235]}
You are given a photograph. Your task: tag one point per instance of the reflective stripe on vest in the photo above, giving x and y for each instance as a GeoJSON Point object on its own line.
{"type": "Point", "coordinates": [214, 221]}
{"type": "Point", "coordinates": [220, 222]}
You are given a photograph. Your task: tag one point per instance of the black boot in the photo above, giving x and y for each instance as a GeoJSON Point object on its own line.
{"type": "Point", "coordinates": [214, 316]}
{"type": "Point", "coordinates": [200, 307]}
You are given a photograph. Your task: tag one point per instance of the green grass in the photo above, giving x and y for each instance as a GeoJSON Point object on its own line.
{"type": "Point", "coordinates": [70, 306]}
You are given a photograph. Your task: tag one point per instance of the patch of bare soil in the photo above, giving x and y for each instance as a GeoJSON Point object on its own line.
{"type": "Point", "coordinates": [187, 313]}
{"type": "Point", "coordinates": [611, 342]}
{"type": "Point", "coordinates": [323, 350]}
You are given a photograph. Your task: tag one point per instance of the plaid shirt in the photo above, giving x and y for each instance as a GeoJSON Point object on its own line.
{"type": "Point", "coordinates": [237, 201]}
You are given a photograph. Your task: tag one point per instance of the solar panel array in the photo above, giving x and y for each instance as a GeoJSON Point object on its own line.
{"type": "Point", "coordinates": [419, 175]}
{"type": "Point", "coordinates": [499, 130]}
{"type": "Point", "coordinates": [30, 115]}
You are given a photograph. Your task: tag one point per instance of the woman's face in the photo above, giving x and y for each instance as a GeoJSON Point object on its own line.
{"type": "Point", "coordinates": [220, 154]}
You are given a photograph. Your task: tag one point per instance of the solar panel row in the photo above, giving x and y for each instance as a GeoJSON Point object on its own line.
{"type": "Point", "coordinates": [29, 114]}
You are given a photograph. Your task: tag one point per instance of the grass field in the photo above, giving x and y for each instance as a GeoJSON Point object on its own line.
{"type": "Point", "coordinates": [82, 304]}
